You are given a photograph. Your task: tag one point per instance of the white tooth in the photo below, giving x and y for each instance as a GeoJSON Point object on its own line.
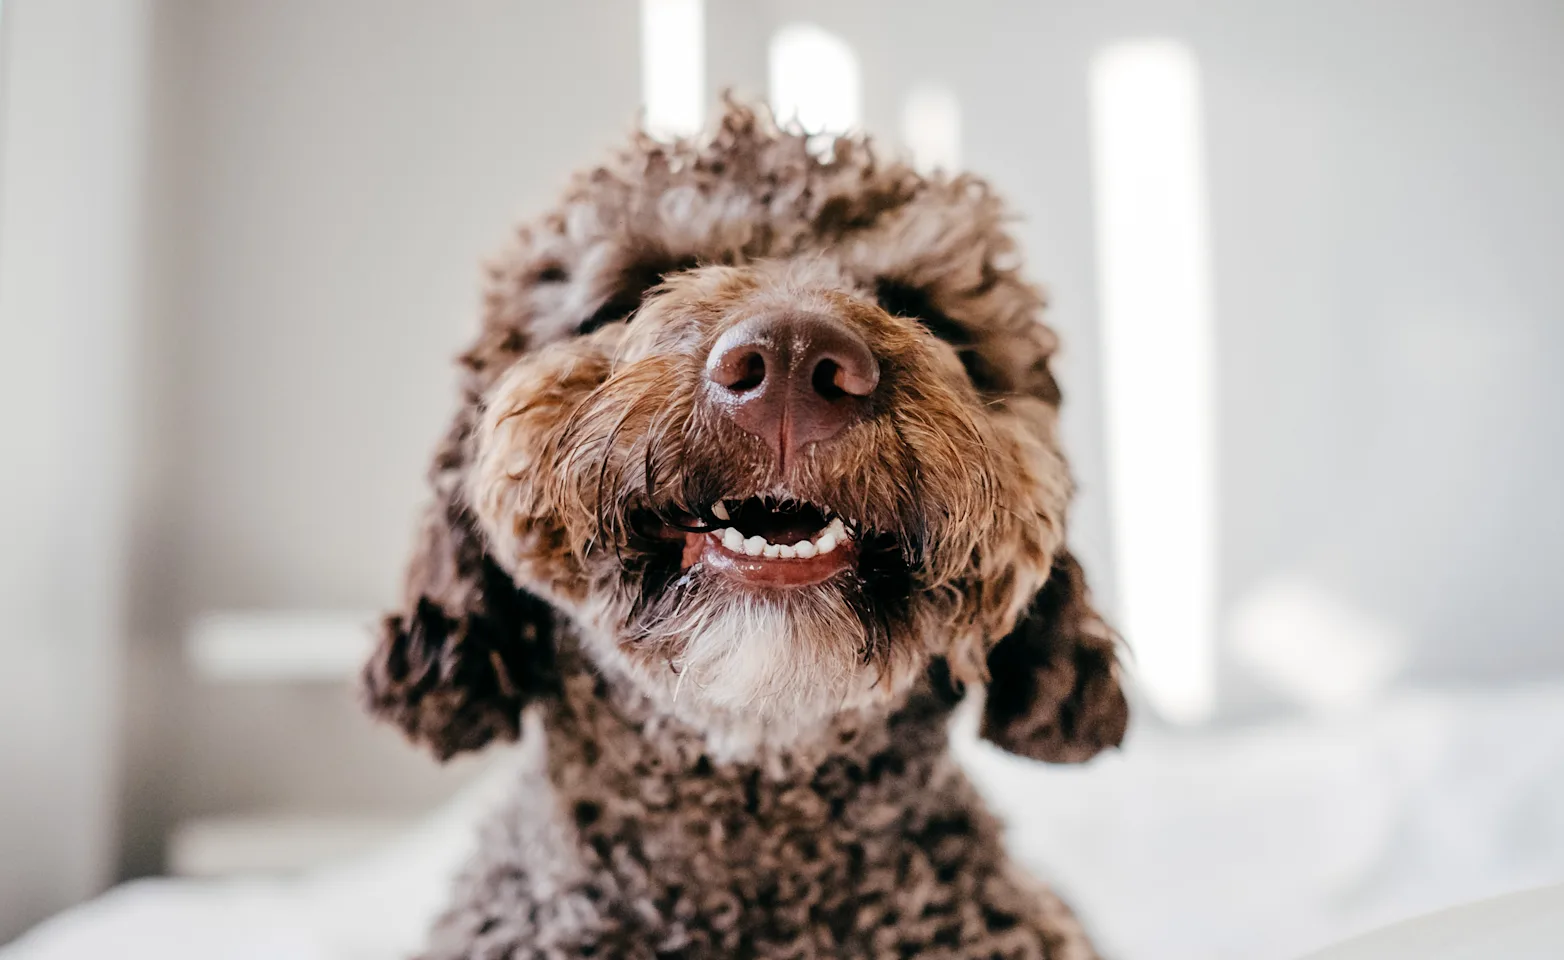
{"type": "Point", "coordinates": [826, 543]}
{"type": "Point", "coordinates": [804, 549]}
{"type": "Point", "coordinates": [837, 528]}
{"type": "Point", "coordinates": [772, 550]}
{"type": "Point", "coordinates": [719, 511]}
{"type": "Point", "coordinates": [755, 545]}
{"type": "Point", "coordinates": [733, 540]}
{"type": "Point", "coordinates": [786, 553]}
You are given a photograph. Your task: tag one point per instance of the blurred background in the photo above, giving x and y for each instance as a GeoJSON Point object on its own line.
{"type": "Point", "coordinates": [1304, 255]}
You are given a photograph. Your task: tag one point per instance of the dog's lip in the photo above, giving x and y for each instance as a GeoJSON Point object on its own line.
{"type": "Point", "coordinates": [762, 571]}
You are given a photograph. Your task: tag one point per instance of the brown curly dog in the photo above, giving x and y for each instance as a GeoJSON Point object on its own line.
{"type": "Point", "coordinates": [756, 471]}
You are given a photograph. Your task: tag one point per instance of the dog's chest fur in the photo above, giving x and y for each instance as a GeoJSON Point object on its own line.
{"type": "Point", "coordinates": [634, 844]}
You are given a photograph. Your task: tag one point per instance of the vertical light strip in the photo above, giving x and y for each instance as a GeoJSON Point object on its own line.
{"type": "Point", "coordinates": [931, 127]}
{"type": "Point", "coordinates": [673, 66]}
{"type": "Point", "coordinates": [1154, 270]}
{"type": "Point", "coordinates": [814, 79]}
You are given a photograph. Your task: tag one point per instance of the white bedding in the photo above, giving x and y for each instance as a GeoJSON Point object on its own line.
{"type": "Point", "coordinates": [1266, 842]}
{"type": "Point", "coordinates": [1520, 926]}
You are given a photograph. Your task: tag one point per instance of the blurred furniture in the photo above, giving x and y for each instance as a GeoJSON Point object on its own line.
{"type": "Point", "coordinates": [276, 648]}
{"type": "Point", "coordinates": [257, 646]}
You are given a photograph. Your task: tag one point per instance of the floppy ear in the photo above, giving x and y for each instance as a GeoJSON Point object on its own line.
{"type": "Point", "coordinates": [468, 650]}
{"type": "Point", "coordinates": [1053, 692]}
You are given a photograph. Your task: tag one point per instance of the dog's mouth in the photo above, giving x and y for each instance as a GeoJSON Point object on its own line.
{"type": "Point", "coordinates": [774, 543]}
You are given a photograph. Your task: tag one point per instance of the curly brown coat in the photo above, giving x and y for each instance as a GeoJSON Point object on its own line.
{"type": "Point", "coordinates": [719, 769]}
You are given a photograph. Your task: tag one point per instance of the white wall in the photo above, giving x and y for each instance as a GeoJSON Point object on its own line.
{"type": "Point", "coordinates": [70, 213]}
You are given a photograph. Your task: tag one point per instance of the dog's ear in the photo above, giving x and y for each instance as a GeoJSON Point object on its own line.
{"type": "Point", "coordinates": [1053, 690]}
{"type": "Point", "coordinates": [468, 650]}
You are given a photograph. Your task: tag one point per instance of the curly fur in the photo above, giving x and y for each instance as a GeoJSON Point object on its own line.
{"type": "Point", "coordinates": [719, 770]}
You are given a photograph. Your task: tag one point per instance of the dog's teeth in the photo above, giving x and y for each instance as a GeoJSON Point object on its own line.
{"type": "Point", "coordinates": [804, 549]}
{"type": "Point", "coordinates": [772, 551]}
{"type": "Point", "coordinates": [755, 546]}
{"type": "Point", "coordinates": [826, 543]}
{"type": "Point", "coordinates": [836, 527]}
{"type": "Point", "coordinates": [719, 511]}
{"type": "Point", "coordinates": [787, 553]}
{"type": "Point", "coordinates": [733, 540]}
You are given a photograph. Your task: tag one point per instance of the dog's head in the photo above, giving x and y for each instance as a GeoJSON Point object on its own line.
{"type": "Point", "coordinates": [775, 435]}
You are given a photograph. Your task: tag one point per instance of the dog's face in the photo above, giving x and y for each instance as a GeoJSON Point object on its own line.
{"type": "Point", "coordinates": [777, 436]}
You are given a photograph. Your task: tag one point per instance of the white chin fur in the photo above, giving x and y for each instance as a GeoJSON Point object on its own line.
{"type": "Point", "coordinates": [751, 658]}
{"type": "Point", "coordinates": [754, 673]}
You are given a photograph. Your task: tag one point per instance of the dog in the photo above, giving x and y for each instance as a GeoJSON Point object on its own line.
{"type": "Point", "coordinates": [755, 475]}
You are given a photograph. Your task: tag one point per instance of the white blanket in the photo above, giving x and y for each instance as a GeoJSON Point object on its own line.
{"type": "Point", "coordinates": [1520, 926]}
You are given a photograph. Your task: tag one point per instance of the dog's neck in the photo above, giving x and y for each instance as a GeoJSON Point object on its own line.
{"type": "Point", "coordinates": [626, 816]}
{"type": "Point", "coordinates": [606, 740]}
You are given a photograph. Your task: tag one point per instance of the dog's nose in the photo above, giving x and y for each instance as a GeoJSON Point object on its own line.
{"type": "Point", "coordinates": [792, 379]}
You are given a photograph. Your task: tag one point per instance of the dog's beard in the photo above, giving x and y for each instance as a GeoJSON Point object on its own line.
{"type": "Point", "coordinates": [802, 657]}
{"type": "Point", "coordinates": [777, 664]}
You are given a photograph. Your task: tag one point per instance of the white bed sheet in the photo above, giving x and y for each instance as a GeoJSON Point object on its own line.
{"type": "Point", "coordinates": [1266, 843]}
{"type": "Point", "coordinates": [1519, 926]}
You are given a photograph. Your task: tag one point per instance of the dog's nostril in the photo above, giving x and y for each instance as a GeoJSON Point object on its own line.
{"type": "Point", "coordinates": [739, 370]}
{"type": "Point", "coordinates": [826, 379]}
{"type": "Point", "coordinates": [849, 370]}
